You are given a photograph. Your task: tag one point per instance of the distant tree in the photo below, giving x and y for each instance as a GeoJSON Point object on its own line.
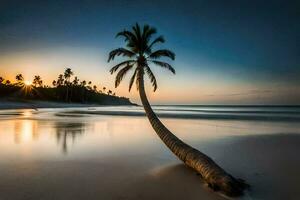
{"type": "Point", "coordinates": [67, 74]}
{"type": "Point", "coordinates": [75, 81]}
{"type": "Point", "coordinates": [89, 87]}
{"type": "Point", "coordinates": [114, 94]}
{"type": "Point", "coordinates": [60, 80]}
{"type": "Point", "coordinates": [104, 88]}
{"type": "Point", "coordinates": [95, 88]}
{"type": "Point", "coordinates": [83, 83]}
{"type": "Point", "coordinates": [37, 81]}
{"type": "Point", "coordinates": [19, 78]}
{"type": "Point", "coordinates": [7, 82]}
{"type": "Point", "coordinates": [109, 92]}
{"type": "Point", "coordinates": [54, 83]}
{"type": "Point", "coordinates": [1, 80]}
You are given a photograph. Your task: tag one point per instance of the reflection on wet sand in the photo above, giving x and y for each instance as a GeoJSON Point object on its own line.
{"type": "Point", "coordinates": [68, 131]}
{"type": "Point", "coordinates": [25, 130]}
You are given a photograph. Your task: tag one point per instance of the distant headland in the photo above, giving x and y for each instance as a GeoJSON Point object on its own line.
{"type": "Point", "coordinates": [65, 91]}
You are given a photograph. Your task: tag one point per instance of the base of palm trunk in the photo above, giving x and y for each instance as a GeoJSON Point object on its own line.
{"type": "Point", "coordinates": [215, 177]}
{"type": "Point", "coordinates": [229, 186]}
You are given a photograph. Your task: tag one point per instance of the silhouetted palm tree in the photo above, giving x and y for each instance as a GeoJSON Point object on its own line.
{"type": "Point", "coordinates": [95, 88]}
{"type": "Point", "coordinates": [7, 82]}
{"type": "Point", "coordinates": [19, 79]}
{"type": "Point", "coordinates": [83, 84]}
{"type": "Point", "coordinates": [140, 55]}
{"type": "Point", "coordinates": [1, 80]}
{"type": "Point", "coordinates": [54, 83]}
{"type": "Point", "coordinates": [37, 81]}
{"type": "Point", "coordinates": [89, 85]}
{"type": "Point", "coordinates": [67, 74]}
{"type": "Point", "coordinates": [104, 88]}
{"type": "Point", "coordinates": [75, 81]}
{"type": "Point", "coordinates": [60, 80]}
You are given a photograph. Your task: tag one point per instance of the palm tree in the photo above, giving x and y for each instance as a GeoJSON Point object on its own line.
{"type": "Point", "coordinates": [75, 81]}
{"type": "Point", "coordinates": [54, 83]}
{"type": "Point", "coordinates": [19, 79]}
{"type": "Point", "coordinates": [83, 84]}
{"type": "Point", "coordinates": [7, 82]}
{"type": "Point", "coordinates": [89, 85]}
{"type": "Point", "coordinates": [104, 88]}
{"type": "Point", "coordinates": [60, 80]}
{"type": "Point", "coordinates": [95, 88]}
{"type": "Point", "coordinates": [140, 55]}
{"type": "Point", "coordinates": [67, 74]}
{"type": "Point", "coordinates": [1, 80]}
{"type": "Point", "coordinates": [37, 81]}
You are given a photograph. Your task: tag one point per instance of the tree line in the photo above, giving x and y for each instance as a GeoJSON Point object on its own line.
{"type": "Point", "coordinates": [67, 87]}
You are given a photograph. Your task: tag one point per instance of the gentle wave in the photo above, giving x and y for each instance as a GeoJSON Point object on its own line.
{"type": "Point", "coordinates": [269, 113]}
{"type": "Point", "coordinates": [229, 115]}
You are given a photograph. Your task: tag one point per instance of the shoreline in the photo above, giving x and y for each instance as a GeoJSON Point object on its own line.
{"type": "Point", "coordinates": [197, 116]}
{"type": "Point", "coordinates": [28, 104]}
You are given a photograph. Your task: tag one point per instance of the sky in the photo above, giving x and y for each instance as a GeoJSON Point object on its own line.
{"type": "Point", "coordinates": [227, 52]}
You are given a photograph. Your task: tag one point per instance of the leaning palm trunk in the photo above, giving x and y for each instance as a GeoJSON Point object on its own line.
{"type": "Point", "coordinates": [139, 53]}
{"type": "Point", "coordinates": [214, 175]}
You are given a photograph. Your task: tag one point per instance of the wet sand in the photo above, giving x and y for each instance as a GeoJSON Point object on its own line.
{"type": "Point", "coordinates": [270, 164]}
{"type": "Point", "coordinates": [106, 161]}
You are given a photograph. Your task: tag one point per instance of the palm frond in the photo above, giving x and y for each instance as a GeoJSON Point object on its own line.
{"type": "Point", "coordinates": [159, 39]}
{"type": "Point", "coordinates": [130, 38]}
{"type": "Point", "coordinates": [127, 35]}
{"type": "Point", "coordinates": [121, 74]}
{"type": "Point", "coordinates": [146, 36]}
{"type": "Point", "coordinates": [162, 53]}
{"type": "Point", "coordinates": [145, 30]}
{"type": "Point", "coordinates": [116, 67]}
{"type": "Point", "coordinates": [132, 79]}
{"type": "Point", "coordinates": [137, 45]}
{"type": "Point", "coordinates": [152, 78]}
{"type": "Point", "coordinates": [148, 32]}
{"type": "Point", "coordinates": [136, 29]}
{"type": "Point", "coordinates": [164, 65]}
{"type": "Point", "coordinates": [120, 52]}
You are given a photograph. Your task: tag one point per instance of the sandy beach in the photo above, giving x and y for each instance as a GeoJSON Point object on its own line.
{"type": "Point", "coordinates": [83, 156]}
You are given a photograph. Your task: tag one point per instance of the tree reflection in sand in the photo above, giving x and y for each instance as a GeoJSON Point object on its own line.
{"type": "Point", "coordinates": [68, 131]}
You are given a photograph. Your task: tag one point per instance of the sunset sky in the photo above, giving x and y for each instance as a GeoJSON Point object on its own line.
{"type": "Point", "coordinates": [227, 52]}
